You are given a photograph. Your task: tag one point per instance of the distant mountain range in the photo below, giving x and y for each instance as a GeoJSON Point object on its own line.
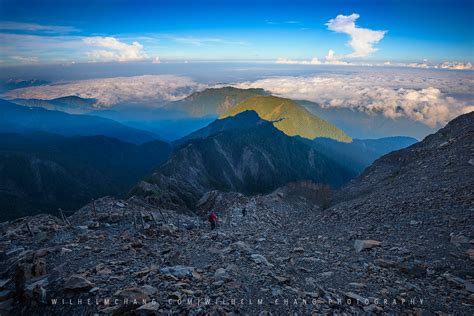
{"type": "Point", "coordinates": [22, 119]}
{"type": "Point", "coordinates": [69, 104]}
{"type": "Point", "coordinates": [12, 84]}
{"type": "Point", "coordinates": [174, 120]}
{"type": "Point", "coordinates": [41, 172]}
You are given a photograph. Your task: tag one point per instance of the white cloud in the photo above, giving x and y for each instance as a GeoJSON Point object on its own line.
{"type": "Point", "coordinates": [330, 59]}
{"type": "Point", "coordinates": [114, 50]}
{"type": "Point", "coordinates": [452, 65]}
{"type": "Point", "coordinates": [314, 61]}
{"type": "Point", "coordinates": [456, 65]}
{"type": "Point", "coordinates": [110, 91]}
{"type": "Point", "coordinates": [428, 97]}
{"type": "Point", "coordinates": [34, 27]}
{"type": "Point", "coordinates": [362, 40]}
{"type": "Point", "coordinates": [198, 41]}
{"type": "Point", "coordinates": [25, 60]}
{"type": "Point", "coordinates": [59, 48]}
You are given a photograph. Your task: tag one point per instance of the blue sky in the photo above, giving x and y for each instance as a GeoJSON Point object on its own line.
{"type": "Point", "coordinates": [48, 32]}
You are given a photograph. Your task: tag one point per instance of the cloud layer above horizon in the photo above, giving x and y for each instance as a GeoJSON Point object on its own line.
{"type": "Point", "coordinates": [424, 97]}
{"type": "Point", "coordinates": [111, 91]}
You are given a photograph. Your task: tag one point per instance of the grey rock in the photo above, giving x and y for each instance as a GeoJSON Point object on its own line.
{"type": "Point", "coordinates": [360, 245]}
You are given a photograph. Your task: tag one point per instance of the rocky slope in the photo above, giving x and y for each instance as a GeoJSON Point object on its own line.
{"type": "Point", "coordinates": [289, 117]}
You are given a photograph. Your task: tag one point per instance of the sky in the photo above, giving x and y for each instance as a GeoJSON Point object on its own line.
{"type": "Point", "coordinates": [418, 33]}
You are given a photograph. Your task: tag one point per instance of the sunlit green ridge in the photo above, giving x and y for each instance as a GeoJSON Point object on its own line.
{"type": "Point", "coordinates": [289, 117]}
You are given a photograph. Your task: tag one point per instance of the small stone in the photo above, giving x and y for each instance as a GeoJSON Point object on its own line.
{"type": "Point", "coordinates": [470, 253]}
{"type": "Point", "coordinates": [384, 263]}
{"type": "Point", "coordinates": [240, 245]}
{"type": "Point", "coordinates": [360, 245]}
{"type": "Point", "coordinates": [78, 282]}
{"type": "Point", "coordinates": [150, 307]}
{"type": "Point", "coordinates": [282, 280]}
{"type": "Point", "coordinates": [259, 259]}
{"type": "Point", "coordinates": [298, 249]}
{"type": "Point", "coordinates": [65, 251]}
{"type": "Point", "coordinates": [355, 297]}
{"type": "Point", "coordinates": [459, 239]}
{"type": "Point", "coordinates": [149, 290]}
{"type": "Point", "coordinates": [221, 274]}
{"type": "Point", "coordinates": [413, 269]}
{"type": "Point", "coordinates": [357, 285]}
{"type": "Point", "coordinates": [134, 293]}
{"type": "Point", "coordinates": [178, 271]}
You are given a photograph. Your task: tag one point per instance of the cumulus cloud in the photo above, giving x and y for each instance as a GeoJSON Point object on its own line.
{"type": "Point", "coordinates": [432, 99]}
{"type": "Point", "coordinates": [114, 50]}
{"type": "Point", "coordinates": [361, 42]}
{"type": "Point", "coordinates": [362, 39]}
{"type": "Point", "coordinates": [110, 91]}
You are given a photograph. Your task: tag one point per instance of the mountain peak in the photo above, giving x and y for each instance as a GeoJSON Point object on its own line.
{"type": "Point", "coordinates": [214, 101]}
{"type": "Point", "coordinates": [289, 117]}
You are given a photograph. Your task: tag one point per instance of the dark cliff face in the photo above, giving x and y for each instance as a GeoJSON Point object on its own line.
{"type": "Point", "coordinates": [255, 159]}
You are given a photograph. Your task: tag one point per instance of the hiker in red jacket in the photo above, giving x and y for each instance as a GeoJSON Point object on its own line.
{"type": "Point", "coordinates": [213, 220]}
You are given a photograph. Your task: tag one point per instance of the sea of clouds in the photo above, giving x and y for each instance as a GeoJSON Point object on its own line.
{"type": "Point", "coordinates": [432, 97]}
{"type": "Point", "coordinates": [117, 90]}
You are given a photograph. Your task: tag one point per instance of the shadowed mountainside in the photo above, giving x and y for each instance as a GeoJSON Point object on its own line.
{"type": "Point", "coordinates": [253, 157]}
{"type": "Point", "coordinates": [41, 172]}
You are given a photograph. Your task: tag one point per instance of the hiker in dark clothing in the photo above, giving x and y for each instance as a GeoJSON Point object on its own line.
{"type": "Point", "coordinates": [244, 212]}
{"type": "Point", "coordinates": [213, 220]}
